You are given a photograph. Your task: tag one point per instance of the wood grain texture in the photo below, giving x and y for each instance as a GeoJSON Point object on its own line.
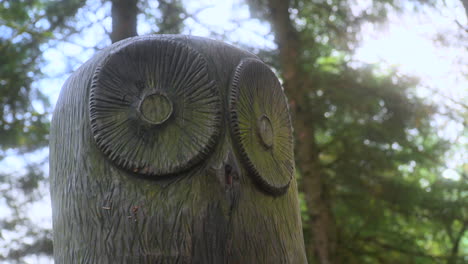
{"type": "Point", "coordinates": [213, 212]}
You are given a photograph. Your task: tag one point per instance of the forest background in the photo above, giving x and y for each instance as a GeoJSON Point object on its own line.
{"type": "Point", "coordinates": [377, 90]}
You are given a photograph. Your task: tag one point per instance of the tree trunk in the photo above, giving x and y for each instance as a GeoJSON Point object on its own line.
{"type": "Point", "coordinates": [124, 19]}
{"type": "Point", "coordinates": [297, 86]}
{"type": "Point", "coordinates": [465, 5]}
{"type": "Point", "coordinates": [454, 254]}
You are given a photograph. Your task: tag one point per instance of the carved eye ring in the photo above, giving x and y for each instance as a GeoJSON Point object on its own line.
{"type": "Point", "coordinates": [259, 118]}
{"type": "Point", "coordinates": [153, 107]}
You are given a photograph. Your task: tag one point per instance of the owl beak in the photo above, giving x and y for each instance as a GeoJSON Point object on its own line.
{"type": "Point", "coordinates": [227, 170]}
{"type": "Point", "coordinates": [231, 168]}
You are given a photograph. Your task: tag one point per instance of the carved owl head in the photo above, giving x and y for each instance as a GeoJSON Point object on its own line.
{"type": "Point", "coordinates": [187, 145]}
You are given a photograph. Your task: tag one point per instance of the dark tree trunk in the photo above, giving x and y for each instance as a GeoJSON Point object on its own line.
{"type": "Point", "coordinates": [454, 254]}
{"type": "Point", "coordinates": [297, 86]}
{"type": "Point", "coordinates": [465, 5]}
{"type": "Point", "coordinates": [124, 19]}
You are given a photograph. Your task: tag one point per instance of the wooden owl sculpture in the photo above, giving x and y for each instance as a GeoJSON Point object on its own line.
{"type": "Point", "coordinates": [174, 149]}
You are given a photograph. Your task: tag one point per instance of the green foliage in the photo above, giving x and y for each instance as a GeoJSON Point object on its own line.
{"type": "Point", "coordinates": [382, 159]}
{"type": "Point", "coordinates": [381, 156]}
{"type": "Point", "coordinates": [25, 27]}
{"type": "Point", "coordinates": [19, 52]}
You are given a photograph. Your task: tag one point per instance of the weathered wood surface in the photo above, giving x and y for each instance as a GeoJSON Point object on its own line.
{"type": "Point", "coordinates": [174, 149]}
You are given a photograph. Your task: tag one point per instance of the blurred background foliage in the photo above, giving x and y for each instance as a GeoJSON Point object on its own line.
{"type": "Point", "coordinates": [370, 156]}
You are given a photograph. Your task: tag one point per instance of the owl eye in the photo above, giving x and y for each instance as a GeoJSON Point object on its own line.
{"type": "Point", "coordinates": [261, 125]}
{"type": "Point", "coordinates": [153, 107]}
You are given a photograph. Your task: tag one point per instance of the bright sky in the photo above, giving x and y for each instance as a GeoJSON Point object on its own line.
{"type": "Point", "coordinates": [405, 42]}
